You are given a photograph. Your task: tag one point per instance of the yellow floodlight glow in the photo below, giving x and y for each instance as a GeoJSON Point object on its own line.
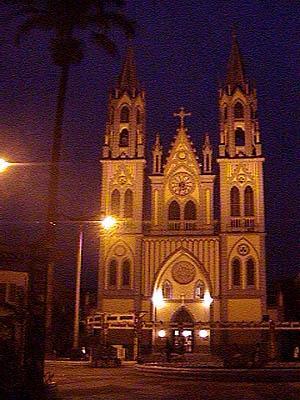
{"type": "Point", "coordinates": [3, 164]}
{"type": "Point", "coordinates": [161, 333]}
{"type": "Point", "coordinates": [207, 299]}
{"type": "Point", "coordinates": [157, 299]}
{"type": "Point", "coordinates": [108, 222]}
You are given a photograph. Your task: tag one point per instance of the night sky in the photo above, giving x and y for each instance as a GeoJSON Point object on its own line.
{"type": "Point", "coordinates": [182, 49]}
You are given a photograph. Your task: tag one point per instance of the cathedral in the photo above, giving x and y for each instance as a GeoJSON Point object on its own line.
{"type": "Point", "coordinates": [185, 267]}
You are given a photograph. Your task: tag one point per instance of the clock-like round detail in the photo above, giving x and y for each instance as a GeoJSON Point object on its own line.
{"type": "Point", "coordinates": [120, 250]}
{"type": "Point", "coordinates": [181, 155]}
{"type": "Point", "coordinates": [243, 249]}
{"type": "Point", "coordinates": [183, 272]}
{"type": "Point", "coordinates": [182, 183]}
{"type": "Point", "coordinates": [122, 179]}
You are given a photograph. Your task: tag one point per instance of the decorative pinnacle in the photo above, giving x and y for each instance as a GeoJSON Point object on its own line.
{"type": "Point", "coordinates": [182, 114]}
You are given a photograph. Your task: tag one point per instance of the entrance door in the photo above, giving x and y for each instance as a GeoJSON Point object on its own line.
{"type": "Point", "coordinates": [183, 340]}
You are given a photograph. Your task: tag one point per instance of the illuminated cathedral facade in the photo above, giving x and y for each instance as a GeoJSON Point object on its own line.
{"type": "Point", "coordinates": [185, 266]}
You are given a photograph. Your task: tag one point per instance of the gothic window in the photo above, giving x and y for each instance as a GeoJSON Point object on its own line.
{"type": "Point", "coordinates": [225, 113]}
{"type": "Point", "coordinates": [199, 290]}
{"type": "Point", "coordinates": [236, 272]}
{"type": "Point", "coordinates": [112, 275]}
{"type": "Point", "coordinates": [190, 211]}
{"type": "Point", "coordinates": [167, 290]}
{"type": "Point", "coordinates": [250, 271]}
{"type": "Point", "coordinates": [128, 204]}
{"type": "Point", "coordinates": [126, 273]}
{"type": "Point", "coordinates": [138, 116]}
{"type": "Point", "coordinates": [249, 202]}
{"type": "Point", "coordinates": [124, 138]}
{"type": "Point", "coordinates": [235, 202]}
{"type": "Point", "coordinates": [239, 137]}
{"type": "Point", "coordinates": [174, 211]}
{"type": "Point", "coordinates": [238, 110]}
{"type": "Point", "coordinates": [115, 202]}
{"type": "Point", "coordinates": [124, 117]}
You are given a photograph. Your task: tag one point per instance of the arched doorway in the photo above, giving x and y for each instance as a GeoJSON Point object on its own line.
{"type": "Point", "coordinates": [183, 333]}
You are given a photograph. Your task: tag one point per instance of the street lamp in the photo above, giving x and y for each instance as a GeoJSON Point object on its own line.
{"type": "Point", "coordinates": [107, 224]}
{"type": "Point", "coordinates": [4, 165]}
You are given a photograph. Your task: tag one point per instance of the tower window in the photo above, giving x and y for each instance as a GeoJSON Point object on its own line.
{"type": "Point", "coordinates": [138, 116]}
{"type": "Point", "coordinates": [128, 204]}
{"type": "Point", "coordinates": [238, 110]}
{"type": "Point", "coordinates": [225, 113]}
{"type": "Point", "coordinates": [167, 290]}
{"type": "Point", "coordinates": [239, 137]}
{"type": "Point", "coordinates": [124, 138]}
{"type": "Point", "coordinates": [199, 290]}
{"type": "Point", "coordinates": [250, 268]}
{"type": "Point", "coordinates": [112, 278]}
{"type": "Point", "coordinates": [190, 211]}
{"type": "Point", "coordinates": [126, 273]}
{"type": "Point", "coordinates": [174, 211]}
{"type": "Point", "coordinates": [235, 202]}
{"type": "Point", "coordinates": [115, 202]}
{"type": "Point", "coordinates": [249, 202]}
{"type": "Point", "coordinates": [124, 116]}
{"type": "Point", "coordinates": [236, 272]}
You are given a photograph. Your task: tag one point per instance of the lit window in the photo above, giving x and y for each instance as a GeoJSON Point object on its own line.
{"type": "Point", "coordinates": [199, 290]}
{"type": "Point", "coordinates": [167, 290]}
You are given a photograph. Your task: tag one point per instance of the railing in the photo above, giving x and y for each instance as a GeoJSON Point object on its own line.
{"type": "Point", "coordinates": [183, 225]}
{"type": "Point", "coordinates": [242, 223]}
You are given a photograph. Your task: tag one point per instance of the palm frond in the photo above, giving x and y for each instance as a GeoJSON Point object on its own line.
{"type": "Point", "coordinates": [42, 22]}
{"type": "Point", "coordinates": [105, 42]}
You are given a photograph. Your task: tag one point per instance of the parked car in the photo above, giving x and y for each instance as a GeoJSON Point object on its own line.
{"type": "Point", "coordinates": [105, 356]}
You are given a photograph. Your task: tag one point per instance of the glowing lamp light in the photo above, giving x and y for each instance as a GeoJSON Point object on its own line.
{"type": "Point", "coordinates": [108, 222]}
{"type": "Point", "coordinates": [157, 299]}
{"type": "Point", "coordinates": [162, 333]}
{"type": "Point", "coordinates": [186, 333]}
{"type": "Point", "coordinates": [203, 333]}
{"type": "Point", "coordinates": [3, 164]}
{"type": "Point", "coordinates": [207, 299]}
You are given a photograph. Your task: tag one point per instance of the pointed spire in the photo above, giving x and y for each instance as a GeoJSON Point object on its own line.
{"type": "Point", "coordinates": [235, 67]}
{"type": "Point", "coordinates": [128, 78]}
{"type": "Point", "coordinates": [207, 142]}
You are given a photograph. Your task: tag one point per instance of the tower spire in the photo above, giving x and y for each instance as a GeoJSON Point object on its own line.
{"type": "Point", "coordinates": [128, 77]}
{"type": "Point", "coordinates": [235, 67]}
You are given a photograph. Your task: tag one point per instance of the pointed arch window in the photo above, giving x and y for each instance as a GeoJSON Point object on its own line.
{"type": "Point", "coordinates": [174, 211]}
{"type": "Point", "coordinates": [225, 113]}
{"type": "Point", "coordinates": [238, 110]}
{"type": "Point", "coordinates": [124, 116]}
{"type": "Point", "coordinates": [112, 274]}
{"type": "Point", "coordinates": [250, 272]}
{"type": "Point", "coordinates": [124, 138]}
{"type": "Point", "coordinates": [138, 116]}
{"type": "Point", "coordinates": [128, 204]}
{"type": "Point", "coordinates": [190, 210]}
{"type": "Point", "coordinates": [199, 290]}
{"type": "Point", "coordinates": [115, 202]}
{"type": "Point", "coordinates": [126, 273]}
{"type": "Point", "coordinates": [239, 137]}
{"type": "Point", "coordinates": [249, 202]}
{"type": "Point", "coordinates": [235, 202]}
{"type": "Point", "coordinates": [236, 272]}
{"type": "Point", "coordinates": [167, 290]}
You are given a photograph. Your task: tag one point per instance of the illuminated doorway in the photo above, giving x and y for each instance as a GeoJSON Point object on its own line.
{"type": "Point", "coordinates": [183, 337]}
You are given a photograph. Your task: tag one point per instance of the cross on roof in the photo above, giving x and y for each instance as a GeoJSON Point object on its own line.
{"type": "Point", "coordinates": [182, 114]}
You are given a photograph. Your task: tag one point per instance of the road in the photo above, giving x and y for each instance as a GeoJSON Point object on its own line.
{"type": "Point", "coordinates": [80, 382]}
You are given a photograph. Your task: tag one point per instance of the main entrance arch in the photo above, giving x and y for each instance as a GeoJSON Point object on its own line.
{"type": "Point", "coordinates": [183, 333]}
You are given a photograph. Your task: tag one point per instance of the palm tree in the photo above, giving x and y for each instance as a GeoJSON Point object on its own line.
{"type": "Point", "coordinates": [66, 19]}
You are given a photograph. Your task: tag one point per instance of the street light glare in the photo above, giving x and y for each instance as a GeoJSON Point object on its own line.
{"type": "Point", "coordinates": [108, 222]}
{"type": "Point", "coordinates": [3, 164]}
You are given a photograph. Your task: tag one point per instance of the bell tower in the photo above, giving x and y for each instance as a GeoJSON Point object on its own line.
{"type": "Point", "coordinates": [242, 220]}
{"type": "Point", "coordinates": [122, 191]}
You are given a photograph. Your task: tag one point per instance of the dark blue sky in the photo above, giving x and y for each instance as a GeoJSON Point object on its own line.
{"type": "Point", "coordinates": [182, 49]}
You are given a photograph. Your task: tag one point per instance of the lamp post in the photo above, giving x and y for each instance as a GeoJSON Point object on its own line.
{"type": "Point", "coordinates": [106, 223]}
